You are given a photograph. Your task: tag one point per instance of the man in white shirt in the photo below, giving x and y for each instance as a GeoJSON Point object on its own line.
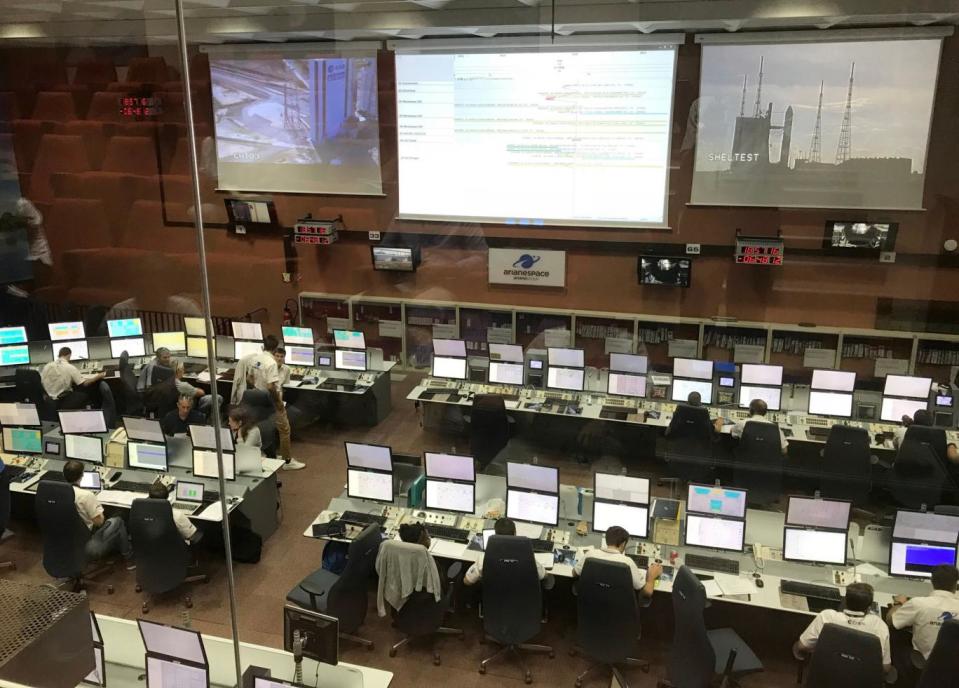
{"type": "Point", "coordinates": [109, 535]}
{"type": "Point", "coordinates": [63, 383]}
{"type": "Point", "coordinates": [855, 615]}
{"type": "Point", "coordinates": [258, 369]}
{"type": "Point", "coordinates": [757, 413]}
{"type": "Point", "coordinates": [924, 616]}
{"type": "Point", "coordinates": [182, 522]}
{"type": "Point", "coordinates": [616, 540]}
{"type": "Point", "coordinates": [503, 526]}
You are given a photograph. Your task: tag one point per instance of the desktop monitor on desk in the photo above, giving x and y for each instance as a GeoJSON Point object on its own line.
{"type": "Point", "coordinates": [66, 331]}
{"type": "Point", "coordinates": [243, 348]}
{"type": "Point", "coordinates": [205, 464]}
{"type": "Point", "coordinates": [454, 348]}
{"type": "Point", "coordinates": [448, 367]}
{"type": "Point", "coordinates": [532, 493]}
{"type": "Point", "coordinates": [566, 379]}
{"type": "Point", "coordinates": [893, 408]}
{"type": "Point", "coordinates": [172, 641]}
{"type": "Point", "coordinates": [628, 363]}
{"type": "Point", "coordinates": [16, 413]}
{"type": "Point", "coordinates": [319, 634]}
{"type": "Point", "coordinates": [204, 437]}
{"type": "Point", "coordinates": [196, 347]}
{"type": "Point", "coordinates": [450, 482]}
{"type": "Point", "coordinates": [715, 500]}
{"type": "Point", "coordinates": [833, 380]}
{"type": "Point", "coordinates": [351, 359]}
{"type": "Point", "coordinates": [127, 327]}
{"type": "Point", "coordinates": [349, 339]}
{"type": "Point", "coordinates": [82, 422]}
{"type": "Point", "coordinates": [621, 500]}
{"type": "Point", "coordinates": [83, 448]}
{"type": "Point", "coordinates": [97, 677]}
{"type": "Point", "coordinates": [298, 335]}
{"type": "Point", "coordinates": [300, 355]}
{"type": "Point", "coordinates": [566, 358]}
{"type": "Point", "coordinates": [682, 388]}
{"type": "Point", "coordinates": [907, 386]}
{"type": "Point", "coordinates": [762, 375]}
{"type": "Point", "coordinates": [194, 327]}
{"type": "Point", "coordinates": [133, 347]}
{"type": "Point", "coordinates": [505, 373]}
{"type": "Point", "coordinates": [816, 530]}
{"type": "Point", "coordinates": [449, 466]}
{"type": "Point", "coordinates": [79, 350]}
{"type": "Point", "coordinates": [375, 457]}
{"type": "Point", "coordinates": [22, 440]}
{"type": "Point", "coordinates": [693, 368]}
{"type": "Point", "coordinates": [250, 331]}
{"type": "Point", "coordinates": [143, 429]}
{"type": "Point", "coordinates": [14, 355]}
{"type": "Point", "coordinates": [771, 395]}
{"type": "Point", "coordinates": [16, 334]}
{"type": "Point", "coordinates": [507, 353]}
{"type": "Point", "coordinates": [716, 517]}
{"type": "Point", "coordinates": [174, 341]}
{"type": "Point", "coordinates": [375, 486]}
{"type": "Point", "coordinates": [833, 404]}
{"type": "Point", "coordinates": [626, 385]}
{"type": "Point", "coordinates": [921, 541]}
{"type": "Point", "coordinates": [147, 456]}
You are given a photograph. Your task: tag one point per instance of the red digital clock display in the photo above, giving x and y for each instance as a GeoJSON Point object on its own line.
{"type": "Point", "coordinates": [759, 251]}
{"type": "Point", "coordinates": [758, 259]}
{"type": "Point", "coordinates": [140, 106]}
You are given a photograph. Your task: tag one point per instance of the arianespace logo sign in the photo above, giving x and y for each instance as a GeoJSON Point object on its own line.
{"type": "Point", "coordinates": [532, 268]}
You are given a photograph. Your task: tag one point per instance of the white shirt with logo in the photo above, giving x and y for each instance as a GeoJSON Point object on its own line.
{"type": "Point", "coordinates": [612, 554]}
{"type": "Point", "coordinates": [870, 623]}
{"type": "Point", "coordinates": [926, 615]}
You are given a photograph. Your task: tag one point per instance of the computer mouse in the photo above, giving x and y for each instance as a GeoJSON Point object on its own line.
{"type": "Point", "coordinates": [760, 583]}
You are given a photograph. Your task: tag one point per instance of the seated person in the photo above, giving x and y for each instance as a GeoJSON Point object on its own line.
{"type": "Point", "coordinates": [616, 540]}
{"type": "Point", "coordinates": [150, 376]}
{"type": "Point", "coordinates": [177, 422]}
{"type": "Point", "coordinates": [183, 524]}
{"type": "Point", "coordinates": [694, 400]}
{"type": "Point", "coordinates": [921, 418]}
{"type": "Point", "coordinates": [503, 526]}
{"type": "Point", "coordinates": [63, 383]}
{"type": "Point", "coordinates": [855, 615]}
{"type": "Point", "coordinates": [109, 535]}
{"type": "Point", "coordinates": [204, 402]}
{"type": "Point", "coordinates": [244, 429]}
{"type": "Point", "coordinates": [924, 615]}
{"type": "Point", "coordinates": [757, 413]}
{"type": "Point", "coordinates": [415, 533]}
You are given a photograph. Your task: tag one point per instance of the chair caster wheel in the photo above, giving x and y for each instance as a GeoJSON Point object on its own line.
{"type": "Point", "coordinates": [109, 590]}
{"type": "Point", "coordinates": [436, 660]}
{"type": "Point", "coordinates": [552, 655]}
{"type": "Point", "coordinates": [528, 678]}
{"type": "Point", "coordinates": [482, 670]}
{"type": "Point", "coordinates": [138, 588]}
{"type": "Point", "coordinates": [145, 608]}
{"type": "Point", "coordinates": [392, 652]}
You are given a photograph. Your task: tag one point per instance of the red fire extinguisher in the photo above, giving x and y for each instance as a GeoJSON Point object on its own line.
{"type": "Point", "coordinates": [288, 312]}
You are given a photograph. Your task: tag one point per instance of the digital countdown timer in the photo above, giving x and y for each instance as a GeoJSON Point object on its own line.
{"type": "Point", "coordinates": [140, 106]}
{"type": "Point", "coordinates": [759, 251]}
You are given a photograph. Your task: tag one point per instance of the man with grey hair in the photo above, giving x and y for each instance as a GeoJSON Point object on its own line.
{"type": "Point", "coordinates": [204, 401]}
{"type": "Point", "coordinates": [157, 370]}
{"type": "Point", "coordinates": [179, 420]}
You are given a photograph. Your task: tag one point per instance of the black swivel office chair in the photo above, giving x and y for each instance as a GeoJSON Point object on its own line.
{"type": "Point", "coordinates": [846, 464]}
{"type": "Point", "coordinates": [512, 598]}
{"type": "Point", "coordinates": [942, 667]}
{"type": "Point", "coordinates": [689, 444]}
{"type": "Point", "coordinates": [845, 658]}
{"type": "Point", "coordinates": [489, 428]}
{"type": "Point", "coordinates": [698, 655]}
{"type": "Point", "coordinates": [261, 406]}
{"type": "Point", "coordinates": [607, 620]}
{"type": "Point", "coordinates": [162, 557]}
{"type": "Point", "coordinates": [65, 536]}
{"type": "Point", "coordinates": [161, 398]}
{"type": "Point", "coordinates": [5, 512]}
{"type": "Point", "coordinates": [130, 402]}
{"type": "Point", "coordinates": [759, 462]}
{"type": "Point", "coordinates": [29, 389]}
{"type": "Point", "coordinates": [343, 595]}
{"type": "Point", "coordinates": [919, 474]}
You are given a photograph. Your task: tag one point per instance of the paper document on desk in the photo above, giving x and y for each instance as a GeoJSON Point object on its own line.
{"type": "Point", "coordinates": [735, 585]}
{"type": "Point", "coordinates": [214, 512]}
{"type": "Point", "coordinates": [712, 588]}
{"type": "Point", "coordinates": [545, 559]}
{"type": "Point", "coordinates": [204, 376]}
{"type": "Point", "coordinates": [512, 404]}
{"type": "Point", "coordinates": [447, 549]}
{"type": "Point", "coordinates": [119, 497]}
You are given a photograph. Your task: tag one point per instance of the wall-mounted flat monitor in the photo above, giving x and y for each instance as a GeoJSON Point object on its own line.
{"type": "Point", "coordinates": [851, 238]}
{"type": "Point", "coordinates": [681, 390]}
{"type": "Point", "coordinates": [349, 339]}
{"type": "Point", "coordinates": [833, 380]}
{"type": "Point", "coordinates": [395, 258]}
{"type": "Point", "coordinates": [245, 215]}
{"type": "Point", "coordinates": [835, 404]}
{"type": "Point", "coordinates": [298, 335]}
{"type": "Point", "coordinates": [133, 347]}
{"type": "Point", "coordinates": [251, 331]}
{"type": "Point", "coordinates": [907, 386]}
{"type": "Point", "coordinates": [449, 347]}
{"type": "Point", "coordinates": [566, 379]}
{"type": "Point", "coordinates": [693, 368]}
{"type": "Point", "coordinates": [127, 327]}
{"type": "Point", "coordinates": [667, 271]}
{"type": "Point", "coordinates": [448, 367]}
{"type": "Point", "coordinates": [174, 341]}
{"type": "Point", "coordinates": [350, 359]}
{"type": "Point", "coordinates": [628, 363]}
{"type": "Point", "coordinates": [66, 331]}
{"type": "Point", "coordinates": [510, 353]}
{"type": "Point", "coordinates": [771, 395]}
{"type": "Point", "coordinates": [764, 375]}
{"type": "Point", "coordinates": [568, 358]}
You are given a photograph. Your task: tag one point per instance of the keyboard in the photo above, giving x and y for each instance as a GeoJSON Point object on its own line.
{"type": "Point", "coordinates": [358, 519]}
{"type": "Point", "coordinates": [542, 545]}
{"type": "Point", "coordinates": [448, 533]}
{"type": "Point", "coordinates": [13, 472]}
{"type": "Point", "coordinates": [717, 564]}
{"type": "Point", "coordinates": [821, 592]}
{"type": "Point", "coordinates": [187, 506]}
{"type": "Point", "coordinates": [210, 496]}
{"type": "Point", "coordinates": [130, 486]}
{"type": "Point", "coordinates": [817, 431]}
{"type": "Point", "coordinates": [642, 561]}
{"type": "Point", "coordinates": [338, 382]}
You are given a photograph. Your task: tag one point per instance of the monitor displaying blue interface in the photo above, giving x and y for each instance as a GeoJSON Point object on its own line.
{"type": "Point", "coordinates": [920, 540]}
{"type": "Point", "coordinates": [16, 355]}
{"type": "Point", "coordinates": [22, 440]}
{"type": "Point", "coordinates": [128, 327]}
{"type": "Point", "coordinates": [13, 335]}
{"type": "Point", "coordinates": [914, 559]}
{"type": "Point", "coordinates": [713, 499]}
{"type": "Point", "coordinates": [349, 339]}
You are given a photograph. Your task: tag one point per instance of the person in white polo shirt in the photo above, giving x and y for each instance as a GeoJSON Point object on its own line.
{"type": "Point", "coordinates": [855, 614]}
{"type": "Point", "coordinates": [924, 616]}
{"type": "Point", "coordinates": [616, 541]}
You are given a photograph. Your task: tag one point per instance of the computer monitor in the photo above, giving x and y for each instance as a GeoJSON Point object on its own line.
{"type": "Point", "coordinates": [189, 492]}
{"type": "Point", "coordinates": [628, 363]}
{"type": "Point", "coordinates": [508, 353]}
{"type": "Point", "coordinates": [944, 401]}
{"type": "Point", "coordinates": [324, 360]}
{"type": "Point", "coordinates": [893, 408]}
{"type": "Point", "coordinates": [763, 375]}
{"type": "Point", "coordinates": [920, 540]}
{"type": "Point", "coordinates": [566, 379]}
{"type": "Point", "coordinates": [716, 500]}
{"type": "Point", "coordinates": [814, 546]}
{"type": "Point", "coordinates": [835, 404]}
{"type": "Point", "coordinates": [143, 429]}
{"type": "Point", "coordinates": [528, 476]}
{"type": "Point", "coordinates": [443, 495]}
{"type": "Point", "coordinates": [97, 677]}
{"type": "Point", "coordinates": [298, 335]}
{"type": "Point", "coordinates": [615, 487]}
{"type": "Point", "coordinates": [147, 456]}
{"type": "Point", "coordinates": [376, 457]}
{"type": "Point", "coordinates": [172, 641]}
{"type": "Point", "coordinates": [82, 422]}
{"type": "Point", "coordinates": [263, 682]}
{"type": "Point", "coordinates": [372, 485]}
{"type": "Point", "coordinates": [907, 386]}
{"type": "Point", "coordinates": [632, 517]}
{"type": "Point", "coordinates": [626, 385]}
{"type": "Point", "coordinates": [832, 514]}
{"type": "Point", "coordinates": [133, 347]}
{"type": "Point", "coordinates": [681, 389]}
{"type": "Point", "coordinates": [83, 448]}
{"type": "Point", "coordinates": [174, 341]}
{"type": "Point", "coordinates": [204, 437]}
{"type": "Point", "coordinates": [350, 359]}
{"type": "Point", "coordinates": [532, 507]}
{"type": "Point", "coordinates": [194, 327]}
{"type": "Point", "coordinates": [449, 347]}
{"type": "Point", "coordinates": [449, 466]}
{"type": "Point", "coordinates": [16, 334]}
{"type": "Point", "coordinates": [22, 440]}
{"type": "Point", "coordinates": [242, 348]}
{"type": "Point", "coordinates": [395, 258]}
{"type": "Point", "coordinates": [670, 271]}
{"type": "Point", "coordinates": [449, 368]}
{"type": "Point", "coordinates": [694, 368]}
{"type": "Point", "coordinates": [249, 331]}
{"type": "Point", "coordinates": [170, 673]}
{"type": "Point", "coordinates": [91, 480]}
{"type": "Point", "coordinates": [318, 633]}
{"type": "Point", "coordinates": [300, 355]}
{"type": "Point", "coordinates": [14, 355]}
{"type": "Point", "coordinates": [79, 350]}
{"type": "Point", "coordinates": [724, 381]}
{"type": "Point", "coordinates": [66, 331]}
{"type": "Point", "coordinates": [502, 373]}
{"type": "Point", "coordinates": [914, 560]}
{"type": "Point", "coordinates": [15, 413]}
{"type": "Point", "coordinates": [349, 339]}
{"type": "Point", "coordinates": [205, 464]}
{"type": "Point", "coordinates": [716, 533]}
{"type": "Point", "coordinates": [833, 380]}
{"type": "Point", "coordinates": [566, 358]}
{"type": "Point", "coordinates": [196, 347]}
{"type": "Point", "coordinates": [126, 327]}
{"type": "Point", "coordinates": [771, 395]}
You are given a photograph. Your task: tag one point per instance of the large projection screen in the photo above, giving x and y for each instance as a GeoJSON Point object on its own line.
{"type": "Point", "coordinates": [864, 146]}
{"type": "Point", "coordinates": [560, 137]}
{"type": "Point", "coordinates": [299, 121]}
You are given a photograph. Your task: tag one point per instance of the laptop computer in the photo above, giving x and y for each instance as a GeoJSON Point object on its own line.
{"type": "Point", "coordinates": [189, 497]}
{"type": "Point", "coordinates": [91, 481]}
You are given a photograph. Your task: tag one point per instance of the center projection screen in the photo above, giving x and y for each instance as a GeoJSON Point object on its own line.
{"type": "Point", "coordinates": [296, 123]}
{"type": "Point", "coordinates": [578, 138]}
{"type": "Point", "coordinates": [815, 124]}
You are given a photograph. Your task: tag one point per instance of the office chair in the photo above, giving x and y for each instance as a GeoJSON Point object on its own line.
{"type": "Point", "coordinates": [846, 464]}
{"type": "Point", "coordinates": [689, 444]}
{"type": "Point", "coordinates": [65, 537]}
{"type": "Point", "coordinates": [697, 655]}
{"type": "Point", "coordinates": [607, 619]}
{"type": "Point", "coordinates": [161, 398]}
{"type": "Point", "coordinates": [5, 513]}
{"type": "Point", "coordinates": [489, 428]}
{"type": "Point", "coordinates": [343, 595]}
{"type": "Point", "coordinates": [161, 555]}
{"type": "Point", "coordinates": [29, 389]}
{"type": "Point", "coordinates": [421, 615]}
{"type": "Point", "coordinates": [919, 473]}
{"type": "Point", "coordinates": [942, 667]}
{"type": "Point", "coordinates": [130, 401]}
{"type": "Point", "coordinates": [759, 462]}
{"type": "Point", "coordinates": [512, 599]}
{"type": "Point", "coordinates": [845, 658]}
{"type": "Point", "coordinates": [261, 407]}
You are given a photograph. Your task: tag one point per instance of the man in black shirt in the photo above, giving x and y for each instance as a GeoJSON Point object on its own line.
{"type": "Point", "coordinates": [177, 422]}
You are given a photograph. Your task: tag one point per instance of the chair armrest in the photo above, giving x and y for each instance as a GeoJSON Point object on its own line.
{"type": "Point", "coordinates": [453, 572]}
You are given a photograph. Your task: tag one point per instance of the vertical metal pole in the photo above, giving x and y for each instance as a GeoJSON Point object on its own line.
{"type": "Point", "coordinates": [207, 310]}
